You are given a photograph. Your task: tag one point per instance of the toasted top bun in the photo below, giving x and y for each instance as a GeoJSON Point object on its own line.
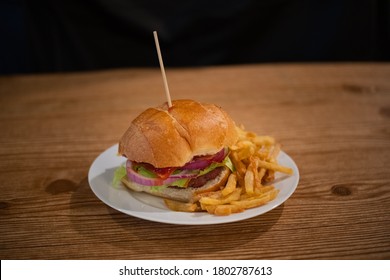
{"type": "Point", "coordinates": [171, 137]}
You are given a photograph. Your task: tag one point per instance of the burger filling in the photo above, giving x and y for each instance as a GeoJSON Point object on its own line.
{"type": "Point", "coordinates": [193, 174]}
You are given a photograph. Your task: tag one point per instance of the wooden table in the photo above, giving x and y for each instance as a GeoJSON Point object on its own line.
{"type": "Point", "coordinates": [332, 119]}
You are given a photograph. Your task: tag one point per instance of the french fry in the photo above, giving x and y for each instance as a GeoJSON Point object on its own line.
{"type": "Point", "coordinates": [252, 202]}
{"type": "Point", "coordinates": [227, 209]}
{"type": "Point", "coordinates": [245, 144]}
{"type": "Point", "coordinates": [275, 152]}
{"type": "Point", "coordinates": [209, 208]}
{"type": "Point", "coordinates": [261, 173]}
{"type": "Point", "coordinates": [254, 167]}
{"type": "Point", "coordinates": [238, 164]}
{"type": "Point", "coordinates": [275, 167]}
{"type": "Point", "coordinates": [269, 176]}
{"type": "Point", "coordinates": [274, 194]}
{"type": "Point", "coordinates": [181, 206]}
{"type": "Point", "coordinates": [263, 189]}
{"type": "Point", "coordinates": [215, 194]}
{"type": "Point", "coordinates": [235, 195]}
{"type": "Point", "coordinates": [260, 192]}
{"type": "Point", "coordinates": [246, 153]}
{"type": "Point", "coordinates": [264, 140]}
{"type": "Point", "coordinates": [240, 180]}
{"type": "Point", "coordinates": [230, 185]}
{"type": "Point", "coordinates": [249, 182]}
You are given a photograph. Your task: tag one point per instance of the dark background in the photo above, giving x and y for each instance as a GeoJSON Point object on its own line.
{"type": "Point", "coordinates": [77, 35]}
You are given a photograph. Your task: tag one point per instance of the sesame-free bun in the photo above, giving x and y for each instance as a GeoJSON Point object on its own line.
{"type": "Point", "coordinates": [171, 137]}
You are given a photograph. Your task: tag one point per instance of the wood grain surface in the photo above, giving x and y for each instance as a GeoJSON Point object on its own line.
{"type": "Point", "coordinates": [332, 119]}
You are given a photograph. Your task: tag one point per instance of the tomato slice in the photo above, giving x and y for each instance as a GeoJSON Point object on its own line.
{"type": "Point", "coordinates": [162, 173]}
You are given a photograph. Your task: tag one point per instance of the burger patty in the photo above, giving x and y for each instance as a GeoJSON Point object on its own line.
{"type": "Point", "coordinates": [201, 180]}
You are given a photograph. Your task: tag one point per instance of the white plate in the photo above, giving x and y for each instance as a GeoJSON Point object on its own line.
{"type": "Point", "coordinates": [152, 208]}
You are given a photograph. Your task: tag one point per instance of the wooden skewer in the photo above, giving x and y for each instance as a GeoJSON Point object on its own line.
{"type": "Point", "coordinates": [168, 96]}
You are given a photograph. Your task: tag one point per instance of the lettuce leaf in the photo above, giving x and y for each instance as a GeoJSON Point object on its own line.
{"type": "Point", "coordinates": [181, 183]}
{"type": "Point", "coordinates": [145, 172]}
{"type": "Point", "coordinates": [158, 188]}
{"type": "Point", "coordinates": [229, 164]}
{"type": "Point", "coordinates": [226, 162]}
{"type": "Point", "coordinates": [119, 173]}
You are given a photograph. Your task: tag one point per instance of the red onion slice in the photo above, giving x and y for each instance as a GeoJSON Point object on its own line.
{"type": "Point", "coordinates": [185, 174]}
{"type": "Point", "coordinates": [204, 161]}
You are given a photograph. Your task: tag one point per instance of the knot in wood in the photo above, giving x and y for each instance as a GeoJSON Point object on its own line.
{"type": "Point", "coordinates": [341, 190]}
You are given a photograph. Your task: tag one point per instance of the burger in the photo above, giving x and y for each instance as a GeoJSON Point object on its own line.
{"type": "Point", "coordinates": [178, 152]}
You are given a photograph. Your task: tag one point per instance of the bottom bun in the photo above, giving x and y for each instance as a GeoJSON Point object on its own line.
{"type": "Point", "coordinates": [189, 194]}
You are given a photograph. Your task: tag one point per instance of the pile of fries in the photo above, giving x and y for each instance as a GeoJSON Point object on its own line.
{"type": "Point", "coordinates": [255, 160]}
